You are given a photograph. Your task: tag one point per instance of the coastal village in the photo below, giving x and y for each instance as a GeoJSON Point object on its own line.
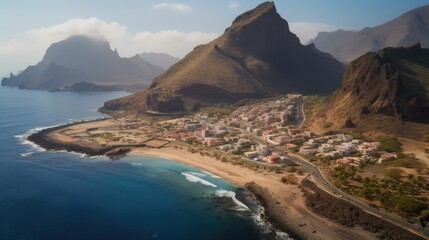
{"type": "Point", "coordinates": [259, 132]}
{"type": "Point", "coordinates": [266, 138]}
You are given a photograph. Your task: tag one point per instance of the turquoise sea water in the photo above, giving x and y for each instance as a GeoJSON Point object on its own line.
{"type": "Point", "coordinates": [60, 195]}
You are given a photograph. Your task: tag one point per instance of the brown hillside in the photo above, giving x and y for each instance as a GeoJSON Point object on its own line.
{"type": "Point", "coordinates": [256, 57]}
{"type": "Point", "coordinates": [384, 91]}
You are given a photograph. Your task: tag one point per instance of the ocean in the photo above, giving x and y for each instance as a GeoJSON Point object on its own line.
{"type": "Point", "coordinates": [62, 195]}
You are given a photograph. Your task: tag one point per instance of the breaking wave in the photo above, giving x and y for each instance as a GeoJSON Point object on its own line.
{"type": "Point", "coordinates": [224, 193]}
{"type": "Point", "coordinates": [192, 178]}
{"type": "Point", "coordinates": [211, 174]}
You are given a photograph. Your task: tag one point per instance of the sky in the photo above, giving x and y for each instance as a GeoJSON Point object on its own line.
{"type": "Point", "coordinates": [173, 27]}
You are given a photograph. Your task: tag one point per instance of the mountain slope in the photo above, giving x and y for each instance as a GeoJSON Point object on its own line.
{"type": "Point", "coordinates": [80, 58]}
{"type": "Point", "coordinates": [159, 59]}
{"type": "Point", "coordinates": [257, 56]}
{"type": "Point", "coordinates": [405, 30]}
{"type": "Point", "coordinates": [382, 90]}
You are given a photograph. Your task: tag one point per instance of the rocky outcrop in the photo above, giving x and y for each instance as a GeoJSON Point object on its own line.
{"type": "Point", "coordinates": [349, 215]}
{"type": "Point", "coordinates": [391, 82]}
{"type": "Point", "coordinates": [256, 57]}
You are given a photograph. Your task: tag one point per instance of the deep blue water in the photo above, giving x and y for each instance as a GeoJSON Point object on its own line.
{"type": "Point", "coordinates": [59, 195]}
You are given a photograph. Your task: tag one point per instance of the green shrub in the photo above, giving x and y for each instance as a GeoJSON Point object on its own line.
{"type": "Point", "coordinates": [389, 144]}
{"type": "Point", "coordinates": [327, 124]}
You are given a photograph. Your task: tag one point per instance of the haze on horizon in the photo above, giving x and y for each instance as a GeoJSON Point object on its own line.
{"type": "Point", "coordinates": [133, 27]}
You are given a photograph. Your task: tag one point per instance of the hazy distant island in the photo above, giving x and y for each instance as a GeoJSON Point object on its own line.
{"type": "Point", "coordinates": [86, 64]}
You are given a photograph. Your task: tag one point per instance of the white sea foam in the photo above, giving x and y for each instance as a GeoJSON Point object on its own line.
{"type": "Point", "coordinates": [224, 193]}
{"type": "Point", "coordinates": [26, 154]}
{"type": "Point", "coordinates": [211, 174]}
{"type": "Point", "coordinates": [34, 148]}
{"type": "Point", "coordinates": [267, 227]}
{"type": "Point", "coordinates": [23, 138]}
{"type": "Point", "coordinates": [136, 164]}
{"type": "Point", "coordinates": [196, 174]}
{"type": "Point", "coordinates": [195, 179]}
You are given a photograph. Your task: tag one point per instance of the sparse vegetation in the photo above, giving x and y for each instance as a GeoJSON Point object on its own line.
{"type": "Point", "coordinates": [389, 144]}
{"type": "Point", "coordinates": [327, 124]}
{"type": "Point", "coordinates": [218, 111]}
{"type": "Point", "coordinates": [397, 191]}
{"type": "Point", "coordinates": [289, 179]}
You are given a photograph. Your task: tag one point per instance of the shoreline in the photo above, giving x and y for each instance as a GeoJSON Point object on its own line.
{"type": "Point", "coordinates": [42, 139]}
{"type": "Point", "coordinates": [284, 204]}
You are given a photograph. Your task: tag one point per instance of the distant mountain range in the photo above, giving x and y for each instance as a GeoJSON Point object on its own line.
{"type": "Point", "coordinates": [159, 59]}
{"type": "Point", "coordinates": [83, 59]}
{"type": "Point", "coordinates": [405, 30]}
{"type": "Point", "coordinates": [381, 91]}
{"type": "Point", "coordinates": [256, 57]}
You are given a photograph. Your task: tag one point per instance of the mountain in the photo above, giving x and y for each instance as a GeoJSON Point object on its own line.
{"type": "Point", "coordinates": [81, 58]}
{"type": "Point", "coordinates": [405, 30]}
{"type": "Point", "coordinates": [256, 57]}
{"type": "Point", "coordinates": [390, 87]}
{"type": "Point", "coordinates": [159, 59]}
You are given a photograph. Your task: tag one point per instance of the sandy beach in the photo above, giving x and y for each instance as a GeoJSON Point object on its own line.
{"type": "Point", "coordinates": [300, 219]}
{"type": "Point", "coordinates": [285, 200]}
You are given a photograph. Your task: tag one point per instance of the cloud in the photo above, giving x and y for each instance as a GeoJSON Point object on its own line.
{"type": "Point", "coordinates": [233, 5]}
{"type": "Point", "coordinates": [307, 31]}
{"type": "Point", "coordinates": [17, 54]}
{"type": "Point", "coordinates": [179, 7]}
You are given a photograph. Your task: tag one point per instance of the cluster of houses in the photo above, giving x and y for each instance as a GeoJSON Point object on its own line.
{"type": "Point", "coordinates": [345, 149]}
{"type": "Point", "coordinates": [270, 121]}
{"type": "Point", "coordinates": [265, 117]}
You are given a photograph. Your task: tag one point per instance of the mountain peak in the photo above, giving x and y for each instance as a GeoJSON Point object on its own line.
{"type": "Point", "coordinates": [256, 57]}
{"type": "Point", "coordinates": [266, 8]}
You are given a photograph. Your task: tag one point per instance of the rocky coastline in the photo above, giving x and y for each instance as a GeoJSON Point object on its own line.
{"type": "Point", "coordinates": [273, 211]}
{"type": "Point", "coordinates": [346, 214]}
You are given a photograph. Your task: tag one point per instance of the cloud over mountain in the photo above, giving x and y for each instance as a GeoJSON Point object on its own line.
{"type": "Point", "coordinates": [37, 40]}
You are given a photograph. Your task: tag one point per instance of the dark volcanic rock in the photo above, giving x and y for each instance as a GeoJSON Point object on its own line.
{"type": "Point", "coordinates": [349, 123]}
{"type": "Point", "coordinates": [256, 57]}
{"type": "Point", "coordinates": [347, 214]}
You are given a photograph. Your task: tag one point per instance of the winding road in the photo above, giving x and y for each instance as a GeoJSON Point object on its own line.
{"type": "Point", "coordinates": [324, 184]}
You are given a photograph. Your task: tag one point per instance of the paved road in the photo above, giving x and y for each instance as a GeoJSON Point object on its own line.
{"type": "Point", "coordinates": [331, 189]}
{"type": "Point", "coordinates": [301, 115]}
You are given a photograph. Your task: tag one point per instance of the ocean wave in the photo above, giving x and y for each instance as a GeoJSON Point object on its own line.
{"type": "Point", "coordinates": [196, 174]}
{"type": "Point", "coordinates": [224, 193]}
{"type": "Point", "coordinates": [267, 227]}
{"type": "Point", "coordinates": [23, 138]}
{"type": "Point", "coordinates": [136, 164]}
{"type": "Point", "coordinates": [211, 174]}
{"type": "Point", "coordinates": [192, 178]}
{"type": "Point", "coordinates": [27, 154]}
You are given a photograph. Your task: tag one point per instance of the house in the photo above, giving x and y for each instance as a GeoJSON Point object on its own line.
{"type": "Point", "coordinates": [251, 154]}
{"type": "Point", "coordinates": [385, 156]}
{"type": "Point", "coordinates": [351, 161]}
{"type": "Point", "coordinates": [291, 146]}
{"type": "Point", "coordinates": [270, 159]}
{"type": "Point", "coordinates": [282, 139]}
{"type": "Point", "coordinates": [213, 142]}
{"type": "Point", "coordinates": [326, 147]}
{"type": "Point", "coordinates": [306, 150]}
{"type": "Point", "coordinates": [263, 150]}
